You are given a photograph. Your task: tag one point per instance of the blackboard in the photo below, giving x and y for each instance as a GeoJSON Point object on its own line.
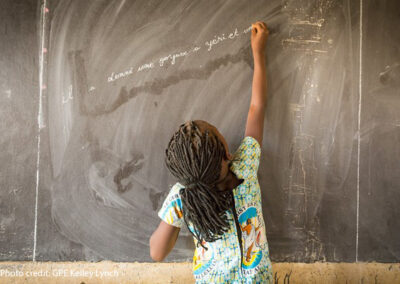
{"type": "Point", "coordinates": [93, 90]}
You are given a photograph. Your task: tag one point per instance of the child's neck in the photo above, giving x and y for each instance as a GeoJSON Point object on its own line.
{"type": "Point", "coordinates": [230, 182]}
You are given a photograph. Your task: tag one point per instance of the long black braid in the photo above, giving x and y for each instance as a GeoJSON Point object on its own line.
{"type": "Point", "coordinates": [194, 158]}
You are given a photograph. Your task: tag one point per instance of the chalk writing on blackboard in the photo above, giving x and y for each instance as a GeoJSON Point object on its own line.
{"type": "Point", "coordinates": [115, 76]}
{"type": "Point", "coordinates": [219, 39]}
{"type": "Point", "coordinates": [171, 58]}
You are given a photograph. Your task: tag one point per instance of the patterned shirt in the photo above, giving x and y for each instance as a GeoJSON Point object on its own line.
{"type": "Point", "coordinates": [242, 255]}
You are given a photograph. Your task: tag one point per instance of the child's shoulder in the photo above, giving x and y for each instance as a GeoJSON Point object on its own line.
{"type": "Point", "coordinates": [250, 142]}
{"type": "Point", "coordinates": [247, 158]}
{"type": "Point", "coordinates": [249, 148]}
{"type": "Point", "coordinates": [171, 209]}
{"type": "Point", "coordinates": [174, 190]}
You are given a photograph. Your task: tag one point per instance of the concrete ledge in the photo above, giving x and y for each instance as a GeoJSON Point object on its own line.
{"type": "Point", "coordinates": [124, 272]}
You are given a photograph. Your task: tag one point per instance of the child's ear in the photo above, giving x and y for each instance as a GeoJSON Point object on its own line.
{"type": "Point", "coordinates": [228, 156]}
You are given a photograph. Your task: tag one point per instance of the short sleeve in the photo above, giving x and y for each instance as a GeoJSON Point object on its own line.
{"type": "Point", "coordinates": [171, 210]}
{"type": "Point", "coordinates": [248, 153]}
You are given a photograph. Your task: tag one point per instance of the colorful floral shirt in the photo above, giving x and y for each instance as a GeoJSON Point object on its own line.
{"type": "Point", "coordinates": [240, 256]}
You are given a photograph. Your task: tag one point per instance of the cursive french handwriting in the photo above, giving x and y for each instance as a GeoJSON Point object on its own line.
{"type": "Point", "coordinates": [145, 66]}
{"type": "Point", "coordinates": [116, 76]}
{"type": "Point", "coordinates": [218, 39]}
{"type": "Point", "coordinates": [172, 58]}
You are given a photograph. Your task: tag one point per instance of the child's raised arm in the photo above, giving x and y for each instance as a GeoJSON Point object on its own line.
{"type": "Point", "coordinates": [255, 117]}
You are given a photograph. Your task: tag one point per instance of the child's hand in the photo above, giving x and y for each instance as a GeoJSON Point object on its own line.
{"type": "Point", "coordinates": [259, 35]}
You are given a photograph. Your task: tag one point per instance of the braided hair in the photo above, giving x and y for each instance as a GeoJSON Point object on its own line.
{"type": "Point", "coordinates": [194, 158]}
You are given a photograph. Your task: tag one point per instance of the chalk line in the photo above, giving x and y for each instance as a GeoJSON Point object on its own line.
{"type": "Point", "coordinates": [44, 10]}
{"type": "Point", "coordinates": [359, 126]}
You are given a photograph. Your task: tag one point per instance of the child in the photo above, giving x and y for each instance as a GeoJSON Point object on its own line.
{"type": "Point", "coordinates": [217, 195]}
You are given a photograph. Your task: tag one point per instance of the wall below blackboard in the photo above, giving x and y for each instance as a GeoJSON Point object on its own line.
{"type": "Point", "coordinates": [111, 272]}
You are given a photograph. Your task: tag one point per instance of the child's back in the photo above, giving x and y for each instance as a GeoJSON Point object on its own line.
{"type": "Point", "coordinates": [242, 254]}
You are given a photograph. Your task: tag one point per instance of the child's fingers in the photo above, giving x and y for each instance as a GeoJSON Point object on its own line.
{"type": "Point", "coordinates": [257, 25]}
{"type": "Point", "coordinates": [261, 25]}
